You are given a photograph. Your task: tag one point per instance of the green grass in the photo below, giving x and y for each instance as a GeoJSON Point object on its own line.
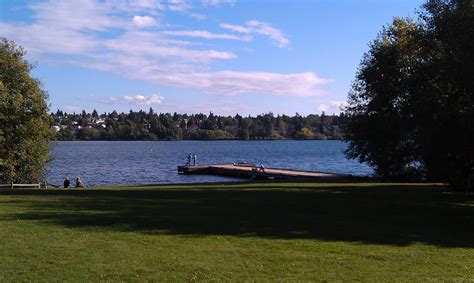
{"type": "Point", "coordinates": [238, 232]}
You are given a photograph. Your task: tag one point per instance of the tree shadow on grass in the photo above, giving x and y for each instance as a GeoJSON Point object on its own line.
{"type": "Point", "coordinates": [393, 215]}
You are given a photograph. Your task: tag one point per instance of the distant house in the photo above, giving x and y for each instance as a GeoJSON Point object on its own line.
{"type": "Point", "coordinates": [56, 128]}
{"type": "Point", "coordinates": [192, 127]}
{"type": "Point", "coordinates": [326, 120]}
{"type": "Point", "coordinates": [99, 123]}
{"type": "Point", "coordinates": [146, 124]}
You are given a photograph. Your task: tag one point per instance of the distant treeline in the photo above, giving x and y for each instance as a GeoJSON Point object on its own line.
{"type": "Point", "coordinates": [149, 125]}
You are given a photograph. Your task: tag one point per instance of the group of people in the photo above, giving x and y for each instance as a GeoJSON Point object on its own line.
{"type": "Point", "coordinates": [191, 159]}
{"type": "Point", "coordinates": [67, 183]}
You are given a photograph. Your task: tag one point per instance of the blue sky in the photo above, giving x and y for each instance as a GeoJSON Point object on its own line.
{"type": "Point", "coordinates": [224, 56]}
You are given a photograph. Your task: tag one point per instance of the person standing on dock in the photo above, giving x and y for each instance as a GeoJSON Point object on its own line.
{"type": "Point", "coordinates": [194, 159]}
{"type": "Point", "coordinates": [190, 156]}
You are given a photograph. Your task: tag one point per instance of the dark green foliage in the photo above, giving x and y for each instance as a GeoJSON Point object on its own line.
{"type": "Point", "coordinates": [158, 126]}
{"type": "Point", "coordinates": [24, 122]}
{"type": "Point", "coordinates": [88, 134]}
{"type": "Point", "coordinates": [410, 109]}
{"type": "Point", "coordinates": [209, 135]}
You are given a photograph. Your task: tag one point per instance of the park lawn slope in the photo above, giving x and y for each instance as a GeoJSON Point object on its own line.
{"type": "Point", "coordinates": [243, 231]}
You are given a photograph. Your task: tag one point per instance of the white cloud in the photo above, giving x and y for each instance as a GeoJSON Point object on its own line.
{"type": "Point", "coordinates": [133, 7]}
{"type": "Point", "coordinates": [338, 104]}
{"type": "Point", "coordinates": [266, 29]}
{"type": "Point", "coordinates": [199, 78]}
{"type": "Point", "coordinates": [144, 21]}
{"type": "Point", "coordinates": [72, 109]}
{"type": "Point", "coordinates": [146, 4]}
{"type": "Point", "coordinates": [197, 16]}
{"type": "Point", "coordinates": [332, 106]}
{"type": "Point", "coordinates": [236, 28]}
{"type": "Point", "coordinates": [46, 39]}
{"type": "Point", "coordinates": [217, 3]}
{"type": "Point", "coordinates": [262, 28]}
{"type": "Point", "coordinates": [143, 100]}
{"type": "Point", "coordinates": [323, 107]}
{"type": "Point", "coordinates": [76, 15]}
{"type": "Point", "coordinates": [179, 5]}
{"type": "Point", "coordinates": [234, 83]}
{"type": "Point", "coordinates": [207, 35]}
{"type": "Point", "coordinates": [152, 44]}
{"type": "Point", "coordinates": [129, 100]}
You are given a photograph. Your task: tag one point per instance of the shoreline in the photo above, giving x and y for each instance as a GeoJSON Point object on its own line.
{"type": "Point", "coordinates": [265, 183]}
{"type": "Point", "coordinates": [342, 140]}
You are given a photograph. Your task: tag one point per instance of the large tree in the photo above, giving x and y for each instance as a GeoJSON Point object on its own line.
{"type": "Point", "coordinates": [24, 122]}
{"type": "Point", "coordinates": [410, 108]}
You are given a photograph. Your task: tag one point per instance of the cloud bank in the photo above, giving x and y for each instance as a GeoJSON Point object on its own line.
{"type": "Point", "coordinates": [139, 100]}
{"type": "Point", "coordinates": [143, 100]}
{"type": "Point", "coordinates": [332, 106]}
{"type": "Point", "coordinates": [207, 35]}
{"type": "Point", "coordinates": [144, 21]}
{"type": "Point", "coordinates": [130, 39]}
{"type": "Point", "coordinates": [260, 28]}
{"type": "Point", "coordinates": [217, 3]}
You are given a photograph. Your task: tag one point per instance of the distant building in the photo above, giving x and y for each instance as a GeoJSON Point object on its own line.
{"type": "Point", "coordinates": [192, 127]}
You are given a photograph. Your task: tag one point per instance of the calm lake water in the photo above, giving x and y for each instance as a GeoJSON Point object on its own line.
{"type": "Point", "coordinates": [152, 162]}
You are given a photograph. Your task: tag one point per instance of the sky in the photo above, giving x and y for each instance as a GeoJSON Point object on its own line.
{"type": "Point", "coordinates": [201, 56]}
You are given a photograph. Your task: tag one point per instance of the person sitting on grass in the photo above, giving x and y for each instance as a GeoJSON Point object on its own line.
{"type": "Point", "coordinates": [66, 183]}
{"type": "Point", "coordinates": [79, 183]}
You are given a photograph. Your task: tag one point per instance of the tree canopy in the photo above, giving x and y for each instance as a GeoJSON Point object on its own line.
{"type": "Point", "coordinates": [410, 109]}
{"type": "Point", "coordinates": [141, 125]}
{"type": "Point", "coordinates": [24, 122]}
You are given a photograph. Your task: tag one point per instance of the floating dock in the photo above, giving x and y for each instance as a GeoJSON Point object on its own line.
{"type": "Point", "coordinates": [251, 171]}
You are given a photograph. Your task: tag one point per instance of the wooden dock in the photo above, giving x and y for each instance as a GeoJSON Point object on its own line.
{"type": "Point", "coordinates": [251, 171]}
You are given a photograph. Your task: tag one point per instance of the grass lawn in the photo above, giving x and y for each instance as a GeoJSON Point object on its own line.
{"type": "Point", "coordinates": [238, 232]}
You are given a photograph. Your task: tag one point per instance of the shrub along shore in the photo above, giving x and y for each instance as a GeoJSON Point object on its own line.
{"type": "Point", "coordinates": [141, 125]}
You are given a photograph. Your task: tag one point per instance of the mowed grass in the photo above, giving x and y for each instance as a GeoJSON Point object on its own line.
{"type": "Point", "coordinates": [238, 232]}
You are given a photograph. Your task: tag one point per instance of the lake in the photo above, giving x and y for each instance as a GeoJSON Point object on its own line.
{"type": "Point", "coordinates": [153, 162]}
